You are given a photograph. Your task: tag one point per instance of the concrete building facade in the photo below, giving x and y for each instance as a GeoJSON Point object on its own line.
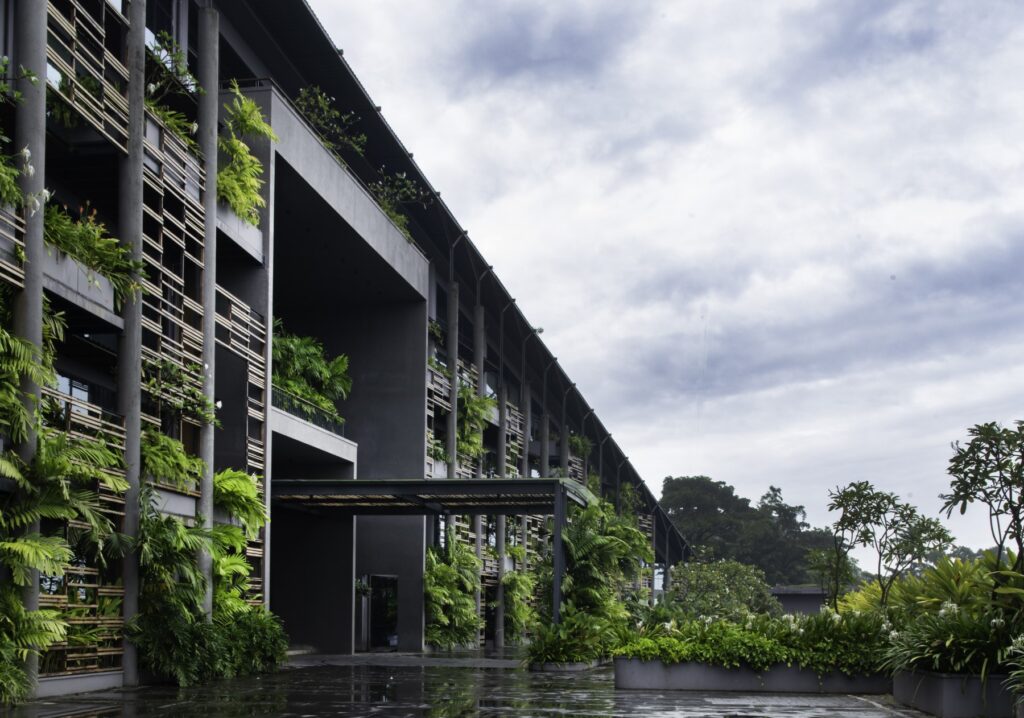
{"type": "Point", "coordinates": [413, 304]}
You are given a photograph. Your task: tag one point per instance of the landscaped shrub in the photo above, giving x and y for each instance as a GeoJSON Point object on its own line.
{"type": "Point", "coordinates": [450, 582]}
{"type": "Point", "coordinates": [824, 643]}
{"type": "Point", "coordinates": [724, 589]}
{"type": "Point", "coordinates": [165, 460]}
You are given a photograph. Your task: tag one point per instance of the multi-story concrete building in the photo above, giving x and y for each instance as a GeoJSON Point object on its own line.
{"type": "Point", "coordinates": [416, 308]}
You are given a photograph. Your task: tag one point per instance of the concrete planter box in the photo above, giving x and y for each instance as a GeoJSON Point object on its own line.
{"type": "Point", "coordinates": [567, 667]}
{"type": "Point", "coordinates": [634, 674]}
{"type": "Point", "coordinates": [950, 695]}
{"type": "Point", "coordinates": [245, 235]}
{"type": "Point", "coordinates": [90, 290]}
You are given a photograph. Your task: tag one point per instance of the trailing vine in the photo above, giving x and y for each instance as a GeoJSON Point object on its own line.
{"type": "Point", "coordinates": [168, 76]}
{"type": "Point", "coordinates": [239, 179]}
{"type": "Point", "coordinates": [165, 461]}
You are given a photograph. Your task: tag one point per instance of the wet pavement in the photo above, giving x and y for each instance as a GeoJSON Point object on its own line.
{"type": "Point", "coordinates": [393, 685]}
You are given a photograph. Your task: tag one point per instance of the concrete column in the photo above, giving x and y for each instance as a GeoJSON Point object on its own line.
{"type": "Point", "coordinates": [527, 407]}
{"type": "Point", "coordinates": [563, 444]}
{"type": "Point", "coordinates": [499, 597]}
{"type": "Point", "coordinates": [451, 446]}
{"type": "Point", "coordinates": [654, 550]}
{"type": "Point", "coordinates": [30, 131]}
{"type": "Point", "coordinates": [479, 358]}
{"type": "Point", "coordinates": [666, 578]}
{"type": "Point", "coordinates": [557, 556]}
{"type": "Point", "coordinates": [129, 351]}
{"type": "Point", "coordinates": [545, 442]}
{"type": "Point", "coordinates": [209, 61]}
{"type": "Point", "coordinates": [347, 586]}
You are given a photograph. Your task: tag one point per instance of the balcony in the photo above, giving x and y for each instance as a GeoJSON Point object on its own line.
{"type": "Point", "coordinates": [300, 421]}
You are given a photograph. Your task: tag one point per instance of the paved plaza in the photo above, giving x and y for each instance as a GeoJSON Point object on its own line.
{"type": "Point", "coordinates": [393, 685]}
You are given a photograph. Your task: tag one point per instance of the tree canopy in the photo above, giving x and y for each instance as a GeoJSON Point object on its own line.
{"type": "Point", "coordinates": [773, 535]}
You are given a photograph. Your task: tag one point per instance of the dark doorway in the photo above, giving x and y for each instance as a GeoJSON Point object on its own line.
{"type": "Point", "coordinates": [383, 612]}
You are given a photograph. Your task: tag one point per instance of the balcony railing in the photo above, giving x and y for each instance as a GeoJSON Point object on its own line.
{"type": "Point", "coordinates": [307, 411]}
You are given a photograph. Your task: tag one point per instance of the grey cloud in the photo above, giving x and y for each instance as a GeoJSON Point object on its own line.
{"type": "Point", "coordinates": [546, 41]}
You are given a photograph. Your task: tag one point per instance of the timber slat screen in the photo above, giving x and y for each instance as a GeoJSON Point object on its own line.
{"type": "Point", "coordinates": [85, 57]}
{"type": "Point", "coordinates": [89, 595]}
{"type": "Point", "coordinates": [242, 330]}
{"type": "Point", "coordinates": [12, 245]}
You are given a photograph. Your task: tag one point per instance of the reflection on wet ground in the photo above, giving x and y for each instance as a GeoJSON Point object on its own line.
{"type": "Point", "coordinates": [391, 685]}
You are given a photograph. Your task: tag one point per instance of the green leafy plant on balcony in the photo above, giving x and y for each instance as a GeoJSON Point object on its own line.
{"type": "Point", "coordinates": [579, 445]}
{"type": "Point", "coordinates": [473, 414]}
{"type": "Point", "coordinates": [436, 450]}
{"type": "Point", "coordinates": [86, 240]}
{"type": "Point", "coordinates": [303, 371]}
{"type": "Point", "coordinates": [165, 460]}
{"type": "Point", "coordinates": [239, 179]}
{"type": "Point", "coordinates": [334, 126]}
{"type": "Point", "coordinates": [396, 191]}
{"type": "Point", "coordinates": [168, 77]}
{"type": "Point", "coordinates": [239, 494]}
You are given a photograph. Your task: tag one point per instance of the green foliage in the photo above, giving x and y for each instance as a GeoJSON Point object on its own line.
{"type": "Point", "coordinates": [10, 190]}
{"type": "Point", "coordinates": [724, 589]}
{"type": "Point", "coordinates": [579, 445]}
{"type": "Point", "coordinates": [450, 582]}
{"type": "Point", "coordinates": [178, 390]}
{"type": "Point", "coordinates": [239, 179]}
{"type": "Point", "coordinates": [173, 638]}
{"type": "Point", "coordinates": [824, 643]}
{"type": "Point", "coordinates": [394, 192]}
{"type": "Point", "coordinates": [436, 450]}
{"type": "Point", "coordinates": [85, 239]}
{"type": "Point", "coordinates": [238, 493]}
{"type": "Point", "coordinates": [989, 470]}
{"type": "Point", "coordinates": [950, 640]}
{"type": "Point", "coordinates": [519, 613]}
{"type": "Point", "coordinates": [772, 535]}
{"type": "Point", "coordinates": [167, 73]}
{"type": "Point", "coordinates": [23, 633]}
{"type": "Point", "coordinates": [165, 460]}
{"type": "Point", "coordinates": [177, 123]}
{"type": "Point", "coordinates": [603, 552]}
{"type": "Point", "coordinates": [335, 127]}
{"type": "Point", "coordinates": [302, 370]}
{"type": "Point", "coordinates": [473, 414]}
{"type": "Point", "coordinates": [899, 535]}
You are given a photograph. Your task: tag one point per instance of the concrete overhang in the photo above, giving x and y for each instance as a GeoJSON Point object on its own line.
{"type": "Point", "coordinates": [304, 432]}
{"type": "Point", "coordinates": [328, 177]}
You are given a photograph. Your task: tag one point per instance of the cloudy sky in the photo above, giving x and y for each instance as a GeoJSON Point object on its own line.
{"type": "Point", "coordinates": [774, 243]}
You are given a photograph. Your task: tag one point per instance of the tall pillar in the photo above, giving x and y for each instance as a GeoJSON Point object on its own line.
{"type": "Point", "coordinates": [666, 578]}
{"type": "Point", "coordinates": [557, 556]}
{"type": "Point", "coordinates": [129, 351]}
{"type": "Point", "coordinates": [347, 586]}
{"type": "Point", "coordinates": [30, 132]}
{"type": "Point", "coordinates": [479, 357]}
{"type": "Point", "coordinates": [545, 441]}
{"type": "Point", "coordinates": [527, 405]}
{"type": "Point", "coordinates": [499, 596]}
{"type": "Point", "coordinates": [209, 103]}
{"type": "Point", "coordinates": [563, 444]}
{"type": "Point", "coordinates": [451, 445]}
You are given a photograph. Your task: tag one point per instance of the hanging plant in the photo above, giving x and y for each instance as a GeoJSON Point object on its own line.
{"type": "Point", "coordinates": [167, 77]}
{"type": "Point", "coordinates": [579, 445]}
{"type": "Point", "coordinates": [394, 192]}
{"type": "Point", "coordinates": [239, 179]}
{"type": "Point", "coordinates": [473, 415]}
{"type": "Point", "coordinates": [165, 460]}
{"type": "Point", "coordinates": [239, 494]}
{"type": "Point", "coordinates": [86, 240]}
{"type": "Point", "coordinates": [177, 388]}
